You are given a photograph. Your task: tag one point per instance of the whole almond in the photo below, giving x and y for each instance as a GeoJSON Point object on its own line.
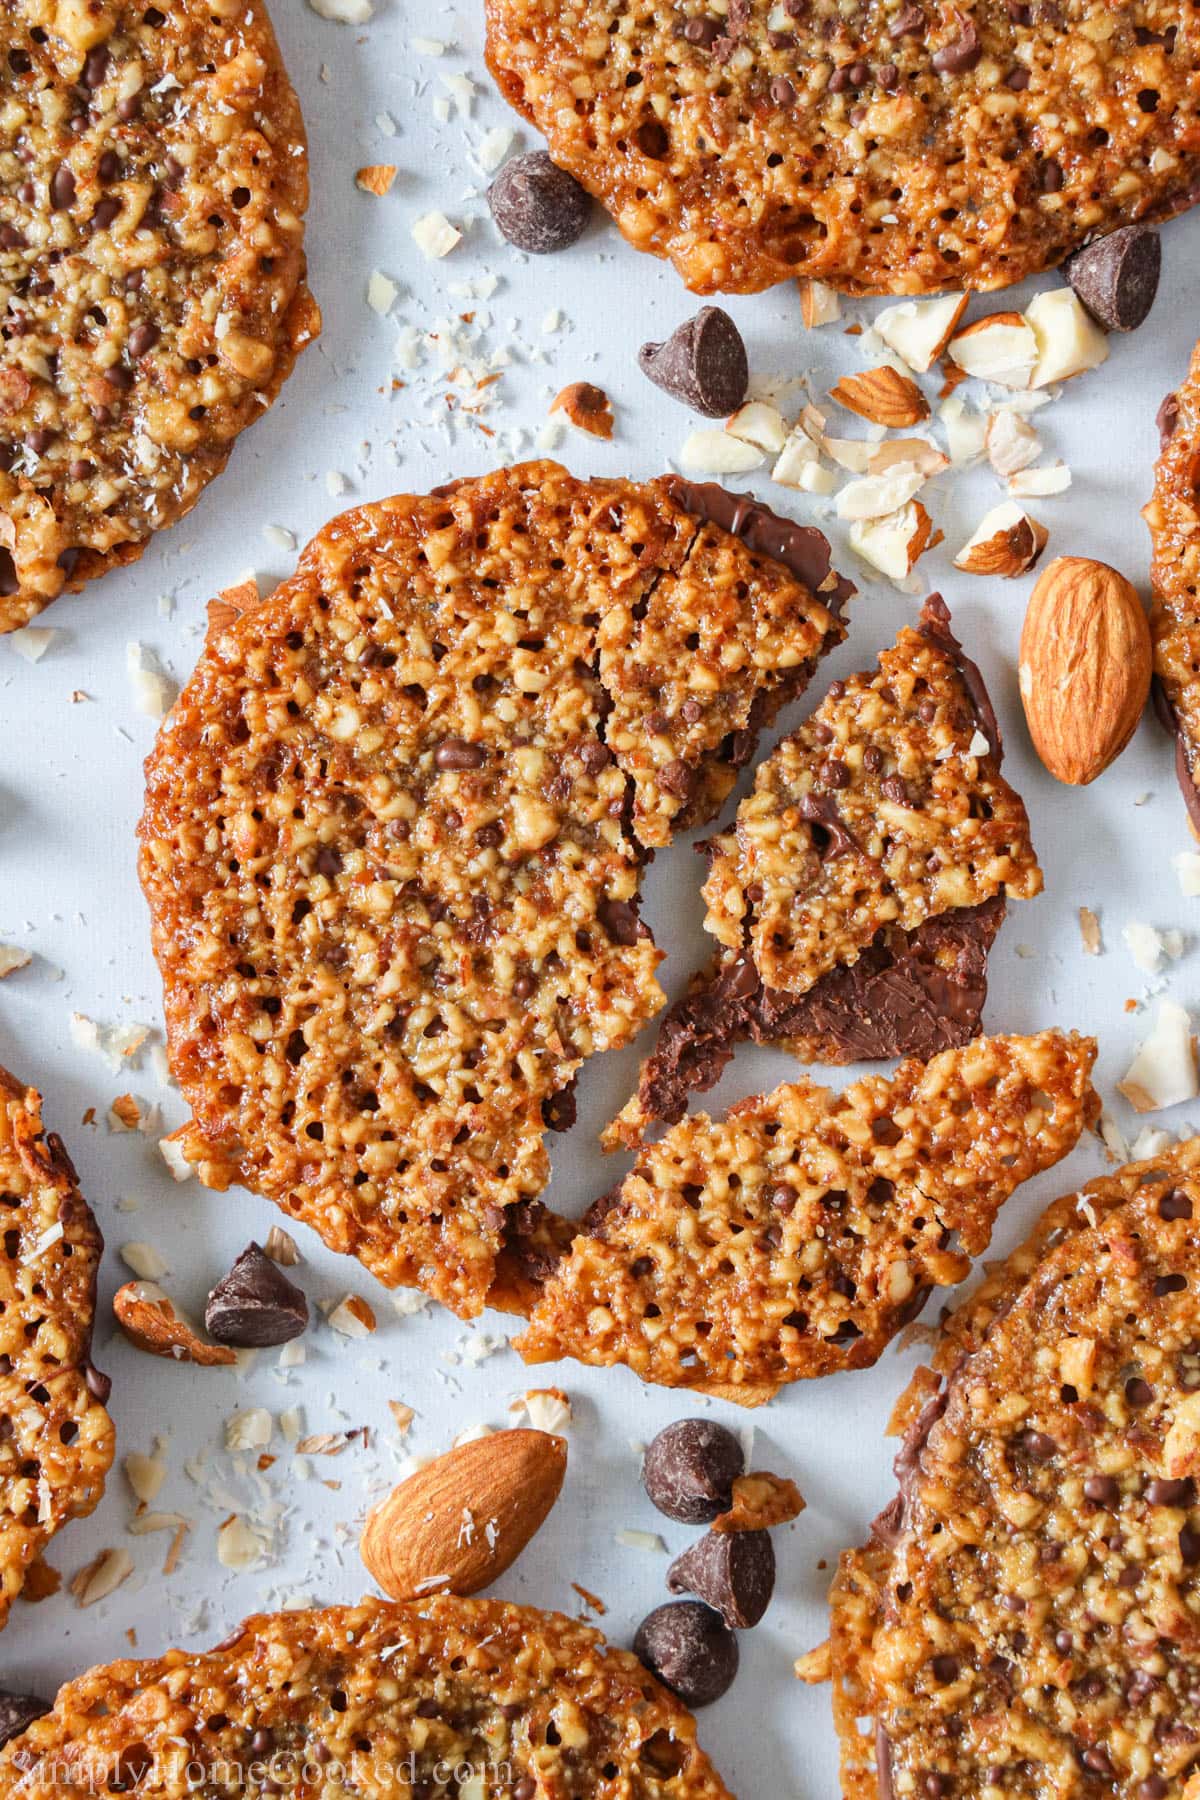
{"type": "Point", "coordinates": [1085, 667]}
{"type": "Point", "coordinates": [884, 396]}
{"type": "Point", "coordinates": [459, 1522]}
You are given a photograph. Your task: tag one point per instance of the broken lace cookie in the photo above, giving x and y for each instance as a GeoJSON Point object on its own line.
{"type": "Point", "coordinates": [387, 1697]}
{"type": "Point", "coordinates": [859, 891]}
{"type": "Point", "coordinates": [1173, 515]}
{"type": "Point", "coordinates": [1020, 1620]}
{"type": "Point", "coordinates": [58, 1443]}
{"type": "Point", "coordinates": [797, 1235]}
{"type": "Point", "coordinates": [394, 831]}
{"type": "Point", "coordinates": [153, 183]}
{"type": "Point", "coordinates": [883, 149]}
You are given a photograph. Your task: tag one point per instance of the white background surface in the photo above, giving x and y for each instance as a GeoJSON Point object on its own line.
{"type": "Point", "coordinates": [70, 790]}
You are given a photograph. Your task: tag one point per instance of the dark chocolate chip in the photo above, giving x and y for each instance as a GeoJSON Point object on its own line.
{"type": "Point", "coordinates": [456, 753]}
{"type": "Point", "coordinates": [104, 213]}
{"type": "Point", "coordinates": [731, 1571]}
{"type": "Point", "coordinates": [619, 918]}
{"type": "Point", "coordinates": [538, 206]}
{"type": "Point", "coordinates": [1138, 1392]}
{"type": "Point", "coordinates": [1102, 1490]}
{"type": "Point", "coordinates": [62, 188]}
{"type": "Point", "coordinates": [255, 1305]}
{"type": "Point", "coordinates": [95, 66]}
{"type": "Point", "coordinates": [558, 1110]}
{"type": "Point", "coordinates": [689, 1470]}
{"type": "Point", "coordinates": [1117, 277]}
{"type": "Point", "coordinates": [781, 91]}
{"type": "Point", "coordinates": [143, 338]}
{"type": "Point", "coordinates": [99, 1386]}
{"type": "Point", "coordinates": [945, 1669]}
{"type": "Point", "coordinates": [907, 23]}
{"type": "Point", "coordinates": [962, 54]}
{"type": "Point", "coordinates": [1175, 1205]}
{"type": "Point", "coordinates": [691, 1650]}
{"type": "Point", "coordinates": [1163, 1492]}
{"type": "Point", "coordinates": [703, 30]}
{"type": "Point", "coordinates": [1036, 1445]}
{"type": "Point", "coordinates": [703, 363]}
{"type": "Point", "coordinates": [17, 1711]}
{"type": "Point", "coordinates": [328, 861]}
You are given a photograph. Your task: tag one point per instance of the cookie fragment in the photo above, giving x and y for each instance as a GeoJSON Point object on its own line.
{"type": "Point", "coordinates": [152, 237]}
{"type": "Point", "coordinates": [1175, 580]}
{"type": "Point", "coordinates": [324, 1690]}
{"type": "Point", "coordinates": [255, 1305]}
{"type": "Point", "coordinates": [691, 1650]}
{"type": "Point", "coordinates": [1065, 1429]}
{"type": "Point", "coordinates": [395, 827]}
{"type": "Point", "coordinates": [689, 1470]}
{"type": "Point", "coordinates": [800, 1233]}
{"type": "Point", "coordinates": [538, 206]}
{"type": "Point", "coordinates": [856, 904]}
{"type": "Point", "coordinates": [57, 1446]}
{"type": "Point", "coordinates": [1117, 277]}
{"type": "Point", "coordinates": [911, 152]}
{"type": "Point", "coordinates": [733, 1572]}
{"type": "Point", "coordinates": [703, 363]}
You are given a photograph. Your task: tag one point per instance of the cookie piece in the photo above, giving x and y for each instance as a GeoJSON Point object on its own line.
{"type": "Point", "coordinates": [884, 149]}
{"type": "Point", "coordinates": [798, 1234]}
{"type": "Point", "coordinates": [1173, 515]}
{"type": "Point", "coordinates": [152, 192]}
{"type": "Point", "coordinates": [394, 830]}
{"type": "Point", "coordinates": [863, 882]}
{"type": "Point", "coordinates": [1045, 1645]}
{"type": "Point", "coordinates": [386, 1696]}
{"type": "Point", "coordinates": [59, 1444]}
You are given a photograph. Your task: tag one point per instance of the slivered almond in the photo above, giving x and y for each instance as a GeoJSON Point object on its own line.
{"type": "Point", "coordinates": [884, 396]}
{"type": "Point", "coordinates": [458, 1523]}
{"type": "Point", "coordinates": [1007, 542]}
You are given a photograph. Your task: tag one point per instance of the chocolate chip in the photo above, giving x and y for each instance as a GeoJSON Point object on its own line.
{"type": "Point", "coordinates": [703, 30]}
{"type": "Point", "coordinates": [109, 166]}
{"type": "Point", "coordinates": [1169, 1284]}
{"type": "Point", "coordinates": [619, 918]}
{"type": "Point", "coordinates": [62, 188]}
{"type": "Point", "coordinates": [1189, 1546]}
{"type": "Point", "coordinates": [703, 363]}
{"type": "Point", "coordinates": [677, 777]}
{"type": "Point", "coordinates": [558, 1110]}
{"type": "Point", "coordinates": [99, 1386]}
{"type": "Point", "coordinates": [595, 756]}
{"type": "Point", "coordinates": [95, 66]}
{"type": "Point", "coordinates": [1117, 277]}
{"type": "Point", "coordinates": [945, 1669]}
{"type": "Point", "coordinates": [689, 1470]}
{"type": "Point", "coordinates": [781, 91]}
{"type": "Point", "coordinates": [1175, 1205]}
{"type": "Point", "coordinates": [962, 54]}
{"type": "Point", "coordinates": [895, 789]}
{"type": "Point", "coordinates": [691, 1650]}
{"type": "Point", "coordinates": [1102, 1490]}
{"type": "Point", "coordinates": [18, 1711]}
{"type": "Point", "coordinates": [456, 753]}
{"type": "Point", "coordinates": [1162, 1492]}
{"type": "Point", "coordinates": [1153, 1788]}
{"type": "Point", "coordinates": [104, 213]}
{"type": "Point", "coordinates": [1036, 1445]}
{"type": "Point", "coordinates": [908, 22]}
{"type": "Point", "coordinates": [143, 338]}
{"type": "Point", "coordinates": [255, 1305]}
{"type": "Point", "coordinates": [732, 1571]}
{"type": "Point", "coordinates": [1050, 176]}
{"type": "Point", "coordinates": [40, 441]}
{"type": "Point", "coordinates": [1138, 1392]}
{"type": "Point", "coordinates": [328, 862]}
{"type": "Point", "coordinates": [538, 206]}
{"type": "Point", "coordinates": [834, 773]}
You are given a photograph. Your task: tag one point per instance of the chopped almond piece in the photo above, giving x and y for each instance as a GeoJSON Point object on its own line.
{"type": "Point", "coordinates": [587, 407]}
{"type": "Point", "coordinates": [1001, 348]}
{"type": "Point", "coordinates": [376, 178]}
{"type": "Point", "coordinates": [1007, 542]}
{"type": "Point", "coordinates": [151, 1323]}
{"type": "Point", "coordinates": [884, 396]}
{"type": "Point", "coordinates": [919, 330]}
{"type": "Point", "coordinates": [894, 543]}
{"type": "Point", "coordinates": [819, 304]}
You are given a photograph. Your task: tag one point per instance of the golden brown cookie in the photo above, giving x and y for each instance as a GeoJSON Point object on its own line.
{"type": "Point", "coordinates": [884, 147]}
{"type": "Point", "coordinates": [395, 825]}
{"type": "Point", "coordinates": [795, 1237]}
{"type": "Point", "coordinates": [153, 181]}
{"type": "Point", "coordinates": [1173, 516]}
{"type": "Point", "coordinates": [863, 881]}
{"type": "Point", "coordinates": [1023, 1620]}
{"type": "Point", "coordinates": [473, 1697]}
{"type": "Point", "coordinates": [58, 1443]}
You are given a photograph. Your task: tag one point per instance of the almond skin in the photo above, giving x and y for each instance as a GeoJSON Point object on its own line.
{"type": "Point", "coordinates": [1086, 662]}
{"type": "Point", "coordinates": [884, 396]}
{"type": "Point", "coordinates": [458, 1523]}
